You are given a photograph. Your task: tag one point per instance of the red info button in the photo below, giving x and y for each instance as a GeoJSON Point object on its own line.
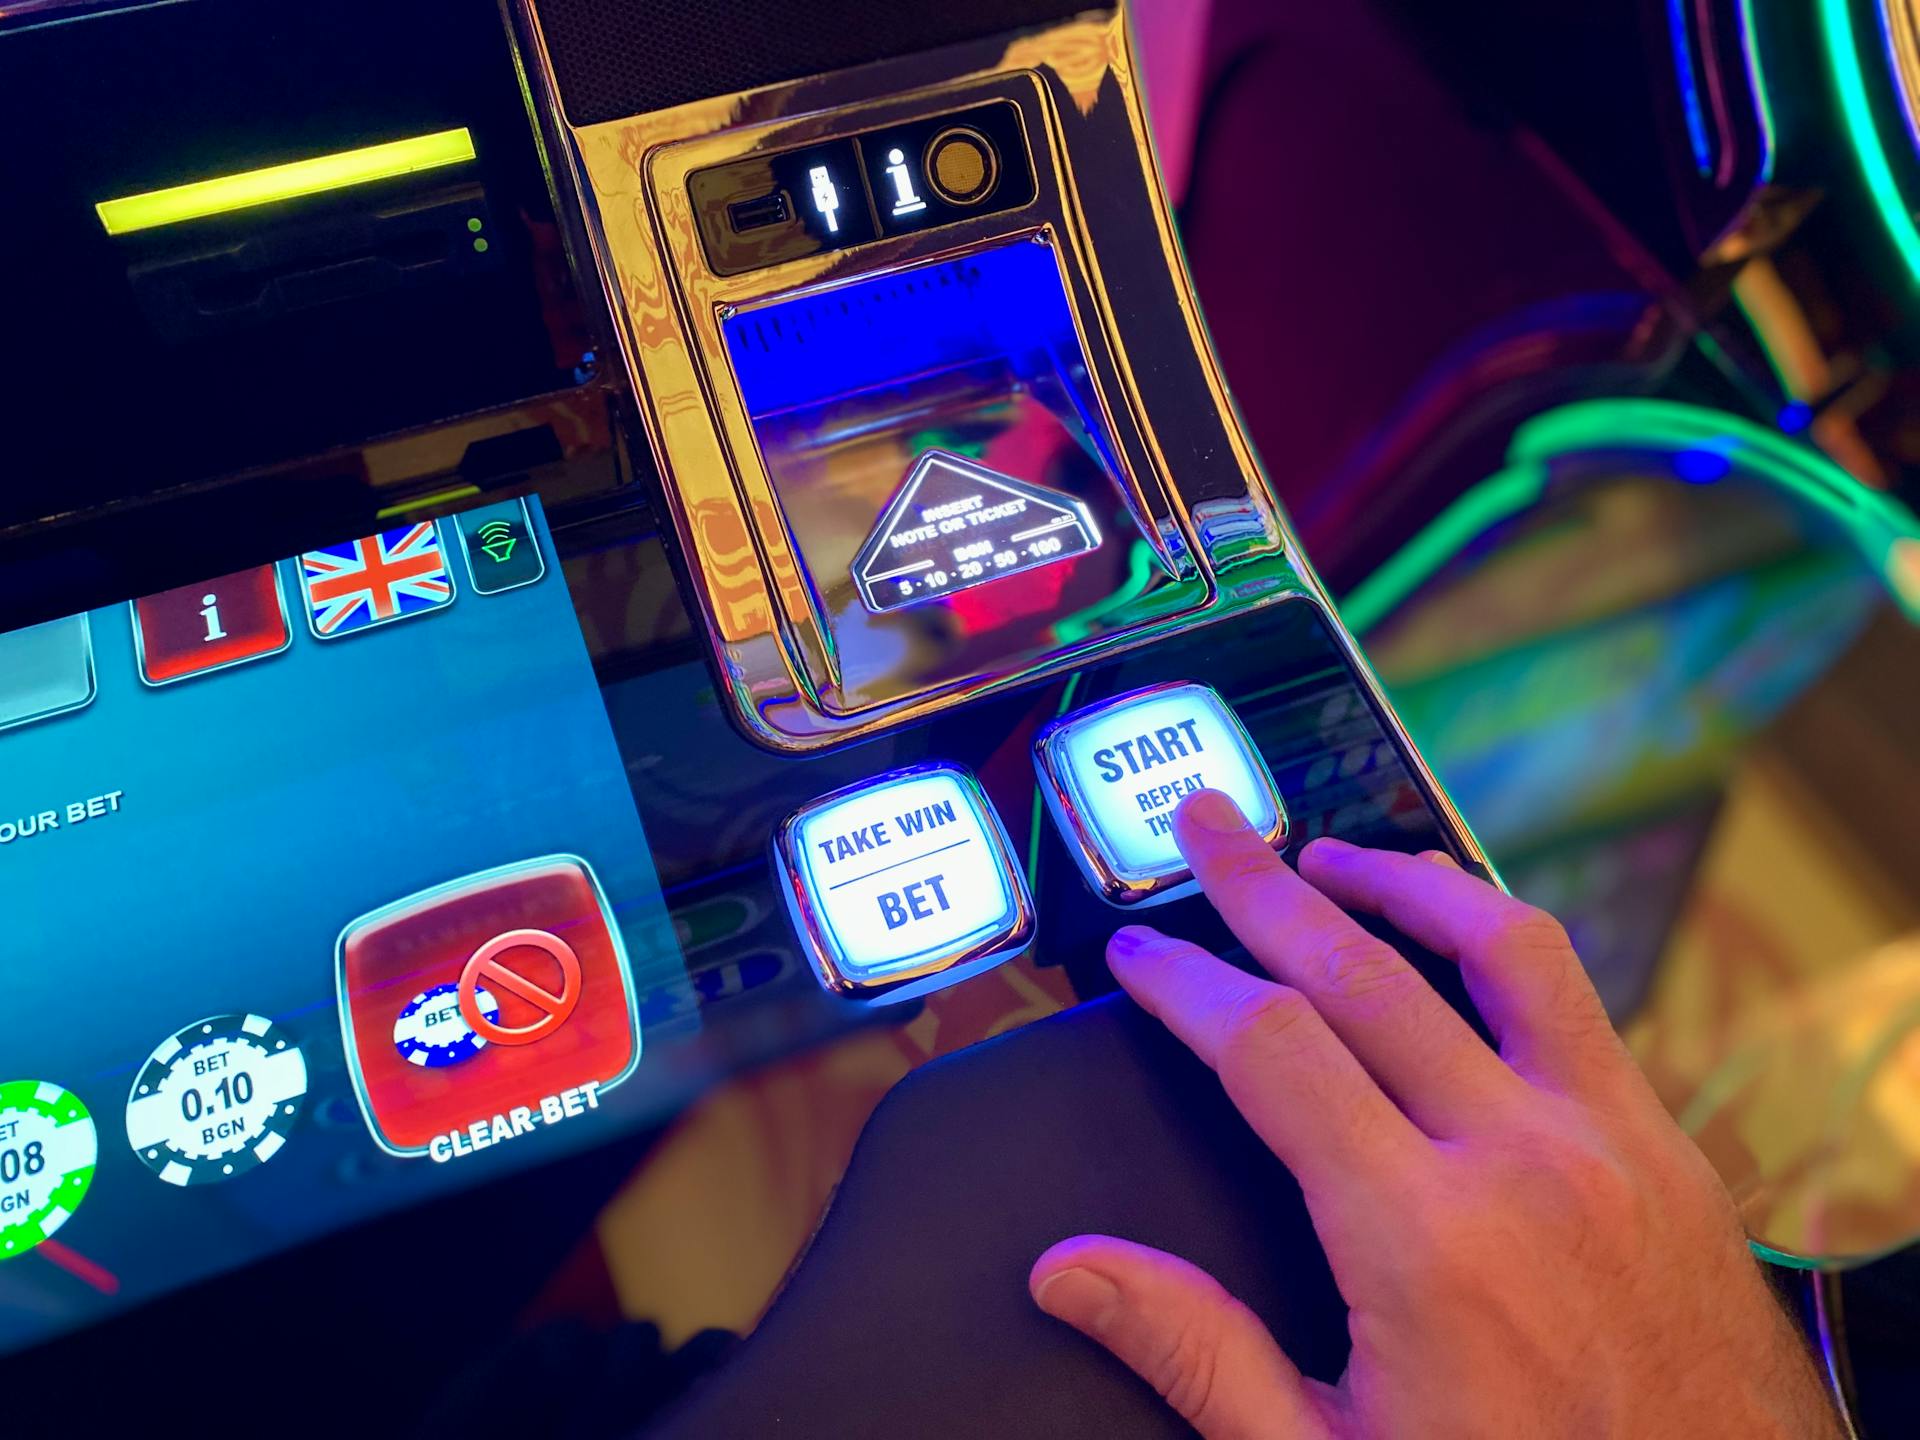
{"type": "Point", "coordinates": [211, 626]}
{"type": "Point", "coordinates": [537, 939]}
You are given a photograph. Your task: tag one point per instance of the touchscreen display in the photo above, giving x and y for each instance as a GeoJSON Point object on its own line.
{"type": "Point", "coordinates": [324, 892]}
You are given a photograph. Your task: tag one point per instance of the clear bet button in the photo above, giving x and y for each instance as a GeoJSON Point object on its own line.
{"type": "Point", "coordinates": [903, 883]}
{"type": "Point", "coordinates": [1114, 773]}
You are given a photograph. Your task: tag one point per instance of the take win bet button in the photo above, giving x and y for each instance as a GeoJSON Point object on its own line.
{"type": "Point", "coordinates": [1114, 773]}
{"type": "Point", "coordinates": [903, 883]}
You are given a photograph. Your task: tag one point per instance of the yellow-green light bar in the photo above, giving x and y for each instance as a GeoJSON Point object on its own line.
{"type": "Point", "coordinates": [284, 182]}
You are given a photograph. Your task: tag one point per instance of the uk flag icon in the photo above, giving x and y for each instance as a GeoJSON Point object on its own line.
{"type": "Point", "coordinates": [393, 575]}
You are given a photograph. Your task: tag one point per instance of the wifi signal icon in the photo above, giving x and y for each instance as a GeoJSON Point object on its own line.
{"type": "Point", "coordinates": [498, 539]}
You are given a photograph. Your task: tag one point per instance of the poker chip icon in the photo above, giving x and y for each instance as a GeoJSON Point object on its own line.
{"type": "Point", "coordinates": [431, 1031]}
{"type": "Point", "coordinates": [47, 1152]}
{"type": "Point", "coordinates": [216, 1099]}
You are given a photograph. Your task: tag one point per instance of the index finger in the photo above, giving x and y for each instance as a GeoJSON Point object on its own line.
{"type": "Point", "coordinates": [1517, 962]}
{"type": "Point", "coordinates": [1428, 1058]}
{"type": "Point", "coordinates": [1300, 1089]}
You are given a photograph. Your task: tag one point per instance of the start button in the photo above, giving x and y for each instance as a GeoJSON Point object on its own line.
{"type": "Point", "coordinates": [1114, 773]}
{"type": "Point", "coordinates": [908, 877]}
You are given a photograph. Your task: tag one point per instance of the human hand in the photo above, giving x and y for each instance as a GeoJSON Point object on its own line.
{"type": "Point", "coordinates": [1526, 1242]}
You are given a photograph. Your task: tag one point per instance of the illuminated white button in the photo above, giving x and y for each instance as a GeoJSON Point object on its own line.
{"type": "Point", "coordinates": [903, 883]}
{"type": "Point", "coordinates": [1114, 773]}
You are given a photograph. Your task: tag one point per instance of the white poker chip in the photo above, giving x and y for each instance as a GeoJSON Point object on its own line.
{"type": "Point", "coordinates": [216, 1099]}
{"type": "Point", "coordinates": [431, 1030]}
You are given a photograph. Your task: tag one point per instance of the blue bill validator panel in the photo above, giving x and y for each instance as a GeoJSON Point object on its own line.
{"type": "Point", "coordinates": [906, 877]}
{"type": "Point", "coordinates": [1114, 773]}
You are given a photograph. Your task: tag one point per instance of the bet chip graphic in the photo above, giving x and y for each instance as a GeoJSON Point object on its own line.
{"type": "Point", "coordinates": [47, 1152]}
{"type": "Point", "coordinates": [431, 1031]}
{"type": "Point", "coordinates": [216, 1099]}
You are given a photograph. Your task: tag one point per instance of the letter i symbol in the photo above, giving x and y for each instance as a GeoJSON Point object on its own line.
{"type": "Point", "coordinates": [211, 614]}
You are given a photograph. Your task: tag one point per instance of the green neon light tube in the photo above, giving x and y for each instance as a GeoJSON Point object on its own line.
{"type": "Point", "coordinates": [1500, 497]}
{"type": "Point", "coordinates": [322, 173]}
{"type": "Point", "coordinates": [1884, 532]}
{"type": "Point", "coordinates": [1843, 53]}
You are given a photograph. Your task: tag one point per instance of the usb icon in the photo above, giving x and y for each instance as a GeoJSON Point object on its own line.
{"type": "Point", "coordinates": [826, 197]}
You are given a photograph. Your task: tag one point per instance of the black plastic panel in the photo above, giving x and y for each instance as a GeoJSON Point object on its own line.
{"type": "Point", "coordinates": [143, 361]}
{"type": "Point", "coordinates": [768, 209]}
{"type": "Point", "coordinates": [615, 58]}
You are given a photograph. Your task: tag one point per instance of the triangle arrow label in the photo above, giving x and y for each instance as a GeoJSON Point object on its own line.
{"type": "Point", "coordinates": [954, 524]}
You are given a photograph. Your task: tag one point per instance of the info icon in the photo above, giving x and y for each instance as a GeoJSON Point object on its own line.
{"type": "Point", "coordinates": [212, 625]}
{"type": "Point", "coordinates": [525, 972]}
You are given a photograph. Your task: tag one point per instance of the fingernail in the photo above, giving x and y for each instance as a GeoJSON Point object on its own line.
{"type": "Point", "coordinates": [1083, 1299]}
{"type": "Point", "coordinates": [1440, 857]}
{"type": "Point", "coordinates": [1331, 847]}
{"type": "Point", "coordinates": [1130, 939]}
{"type": "Point", "coordinates": [1211, 810]}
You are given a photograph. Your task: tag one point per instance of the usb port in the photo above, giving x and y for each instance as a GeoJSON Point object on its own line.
{"type": "Point", "coordinates": [757, 214]}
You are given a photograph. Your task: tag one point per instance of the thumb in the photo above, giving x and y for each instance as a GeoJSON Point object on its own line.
{"type": "Point", "coordinates": [1175, 1327]}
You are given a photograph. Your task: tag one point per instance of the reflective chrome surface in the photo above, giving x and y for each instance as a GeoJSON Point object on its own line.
{"type": "Point", "coordinates": [1206, 523]}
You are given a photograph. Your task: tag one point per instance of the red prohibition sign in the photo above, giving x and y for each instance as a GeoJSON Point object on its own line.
{"type": "Point", "coordinates": [486, 968]}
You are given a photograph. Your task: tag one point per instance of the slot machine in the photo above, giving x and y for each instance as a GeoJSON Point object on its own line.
{"type": "Point", "coordinates": [562, 572]}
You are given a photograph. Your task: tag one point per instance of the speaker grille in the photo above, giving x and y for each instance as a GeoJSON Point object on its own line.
{"type": "Point", "coordinates": [616, 58]}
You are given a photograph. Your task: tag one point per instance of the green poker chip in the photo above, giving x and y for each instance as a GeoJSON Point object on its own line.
{"type": "Point", "coordinates": [47, 1153]}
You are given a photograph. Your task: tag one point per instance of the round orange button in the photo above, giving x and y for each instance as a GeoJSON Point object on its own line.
{"type": "Point", "coordinates": [962, 166]}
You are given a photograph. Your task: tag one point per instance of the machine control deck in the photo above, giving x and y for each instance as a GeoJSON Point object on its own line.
{"type": "Point", "coordinates": [1114, 773]}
